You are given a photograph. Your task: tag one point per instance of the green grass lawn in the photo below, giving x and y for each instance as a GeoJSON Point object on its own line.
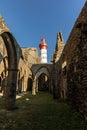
{"type": "Point", "coordinates": [40, 112]}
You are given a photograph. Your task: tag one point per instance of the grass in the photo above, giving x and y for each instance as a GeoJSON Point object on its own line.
{"type": "Point", "coordinates": [40, 112]}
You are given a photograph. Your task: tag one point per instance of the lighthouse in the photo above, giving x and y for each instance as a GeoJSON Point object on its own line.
{"type": "Point", "coordinates": [43, 48]}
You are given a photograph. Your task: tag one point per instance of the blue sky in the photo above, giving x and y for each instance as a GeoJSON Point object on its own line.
{"type": "Point", "coordinates": [30, 20]}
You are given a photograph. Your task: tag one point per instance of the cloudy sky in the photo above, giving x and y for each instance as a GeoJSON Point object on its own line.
{"type": "Point", "coordinates": [30, 20]}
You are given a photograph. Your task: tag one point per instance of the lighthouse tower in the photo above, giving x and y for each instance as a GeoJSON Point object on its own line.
{"type": "Point", "coordinates": [43, 47]}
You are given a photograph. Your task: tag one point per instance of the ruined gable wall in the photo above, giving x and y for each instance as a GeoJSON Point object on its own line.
{"type": "Point", "coordinates": [30, 56]}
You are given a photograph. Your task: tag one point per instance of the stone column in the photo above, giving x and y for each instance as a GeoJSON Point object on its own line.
{"type": "Point", "coordinates": [37, 86]}
{"type": "Point", "coordinates": [10, 90]}
{"type": "Point", "coordinates": [34, 88]}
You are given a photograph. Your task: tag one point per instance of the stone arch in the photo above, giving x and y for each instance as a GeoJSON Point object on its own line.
{"type": "Point", "coordinates": [40, 71]}
{"type": "Point", "coordinates": [10, 86]}
{"type": "Point", "coordinates": [5, 62]}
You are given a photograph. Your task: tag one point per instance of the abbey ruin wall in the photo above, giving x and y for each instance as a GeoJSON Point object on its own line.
{"type": "Point", "coordinates": [72, 75]}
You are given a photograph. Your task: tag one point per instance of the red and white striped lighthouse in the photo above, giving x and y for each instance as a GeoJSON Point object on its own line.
{"type": "Point", "coordinates": [43, 47]}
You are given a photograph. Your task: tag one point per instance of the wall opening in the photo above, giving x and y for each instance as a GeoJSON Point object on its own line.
{"type": "Point", "coordinates": [29, 84]}
{"type": "Point", "coordinates": [43, 82]}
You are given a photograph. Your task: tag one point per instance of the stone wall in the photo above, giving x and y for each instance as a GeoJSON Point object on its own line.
{"type": "Point", "coordinates": [30, 56]}
{"type": "Point", "coordinates": [25, 56]}
{"type": "Point", "coordinates": [72, 65]}
{"type": "Point", "coordinates": [55, 68]}
{"type": "Point", "coordinates": [67, 74]}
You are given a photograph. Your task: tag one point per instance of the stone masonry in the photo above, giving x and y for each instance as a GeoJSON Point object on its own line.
{"type": "Point", "coordinates": [65, 76]}
{"type": "Point", "coordinates": [72, 66]}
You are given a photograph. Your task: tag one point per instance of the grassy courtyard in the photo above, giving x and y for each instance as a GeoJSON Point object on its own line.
{"type": "Point", "coordinates": [40, 112]}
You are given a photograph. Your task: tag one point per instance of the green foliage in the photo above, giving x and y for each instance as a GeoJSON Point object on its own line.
{"type": "Point", "coordinates": [41, 112]}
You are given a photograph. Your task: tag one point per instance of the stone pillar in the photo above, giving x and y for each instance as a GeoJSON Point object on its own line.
{"type": "Point", "coordinates": [22, 84]}
{"type": "Point", "coordinates": [10, 90]}
{"type": "Point", "coordinates": [37, 86]}
{"type": "Point", "coordinates": [25, 83]}
{"type": "Point", "coordinates": [34, 88]}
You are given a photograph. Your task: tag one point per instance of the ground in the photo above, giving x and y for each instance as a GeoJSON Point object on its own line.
{"type": "Point", "coordinates": [40, 112]}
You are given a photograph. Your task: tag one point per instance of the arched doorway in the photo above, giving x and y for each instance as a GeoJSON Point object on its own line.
{"type": "Point", "coordinates": [10, 88]}
{"type": "Point", "coordinates": [43, 82]}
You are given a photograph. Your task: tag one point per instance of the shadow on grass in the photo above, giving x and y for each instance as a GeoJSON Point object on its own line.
{"type": "Point", "coordinates": [40, 112]}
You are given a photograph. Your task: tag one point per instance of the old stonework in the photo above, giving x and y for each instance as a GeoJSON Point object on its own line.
{"type": "Point", "coordinates": [22, 69]}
